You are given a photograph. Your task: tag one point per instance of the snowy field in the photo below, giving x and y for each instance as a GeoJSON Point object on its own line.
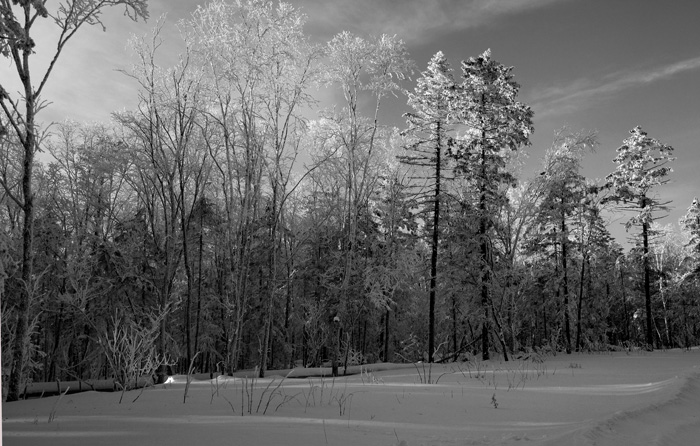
{"type": "Point", "coordinates": [580, 399]}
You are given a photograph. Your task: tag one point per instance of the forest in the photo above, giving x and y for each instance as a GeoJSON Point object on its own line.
{"type": "Point", "coordinates": [233, 221]}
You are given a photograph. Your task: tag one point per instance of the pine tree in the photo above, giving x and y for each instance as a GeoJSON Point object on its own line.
{"type": "Point", "coordinates": [641, 166]}
{"type": "Point", "coordinates": [690, 222]}
{"type": "Point", "coordinates": [429, 128]}
{"type": "Point", "coordinates": [496, 125]}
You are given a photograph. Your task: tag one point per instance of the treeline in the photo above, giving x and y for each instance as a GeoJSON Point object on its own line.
{"type": "Point", "coordinates": [216, 227]}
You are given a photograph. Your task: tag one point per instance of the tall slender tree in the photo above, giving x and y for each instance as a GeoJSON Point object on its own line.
{"type": "Point", "coordinates": [641, 167]}
{"type": "Point", "coordinates": [496, 125]}
{"type": "Point", "coordinates": [690, 222]}
{"type": "Point", "coordinates": [430, 131]}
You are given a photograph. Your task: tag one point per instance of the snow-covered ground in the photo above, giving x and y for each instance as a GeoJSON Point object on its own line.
{"type": "Point", "coordinates": [580, 399]}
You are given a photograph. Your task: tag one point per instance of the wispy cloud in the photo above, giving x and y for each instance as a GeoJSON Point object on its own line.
{"type": "Point", "coordinates": [411, 20]}
{"type": "Point", "coordinates": [582, 92]}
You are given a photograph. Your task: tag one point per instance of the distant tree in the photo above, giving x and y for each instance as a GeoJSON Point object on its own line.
{"type": "Point", "coordinates": [496, 125]}
{"type": "Point", "coordinates": [17, 20]}
{"type": "Point", "coordinates": [594, 244]}
{"type": "Point", "coordinates": [84, 191]}
{"type": "Point", "coordinates": [668, 258]}
{"type": "Point", "coordinates": [562, 188]}
{"type": "Point", "coordinates": [641, 167]}
{"type": "Point", "coordinates": [388, 268]}
{"type": "Point", "coordinates": [690, 222]}
{"type": "Point", "coordinates": [429, 131]}
{"type": "Point", "coordinates": [516, 216]}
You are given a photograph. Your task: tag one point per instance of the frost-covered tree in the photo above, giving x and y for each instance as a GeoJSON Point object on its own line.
{"type": "Point", "coordinates": [430, 126]}
{"type": "Point", "coordinates": [641, 167]}
{"type": "Point", "coordinates": [17, 21]}
{"type": "Point", "coordinates": [356, 64]}
{"type": "Point", "coordinates": [562, 188]}
{"type": "Point", "coordinates": [690, 222]}
{"type": "Point", "coordinates": [496, 125]}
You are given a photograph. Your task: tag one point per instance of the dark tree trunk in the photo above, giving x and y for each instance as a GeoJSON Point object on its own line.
{"type": "Point", "coordinates": [647, 287]}
{"type": "Point", "coordinates": [544, 321]}
{"type": "Point", "coordinates": [199, 287]}
{"type": "Point", "coordinates": [335, 353]}
{"type": "Point", "coordinates": [434, 247]}
{"type": "Point", "coordinates": [386, 335]}
{"type": "Point", "coordinates": [580, 305]}
{"type": "Point", "coordinates": [287, 316]}
{"type": "Point", "coordinates": [484, 264]}
{"type": "Point", "coordinates": [624, 306]}
{"type": "Point", "coordinates": [499, 333]}
{"type": "Point", "coordinates": [565, 286]}
{"type": "Point", "coordinates": [454, 325]}
{"type": "Point", "coordinates": [188, 298]}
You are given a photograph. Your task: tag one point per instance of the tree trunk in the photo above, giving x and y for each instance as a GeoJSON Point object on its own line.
{"type": "Point", "coordinates": [18, 353]}
{"type": "Point", "coordinates": [647, 287]}
{"type": "Point", "coordinates": [580, 305]}
{"type": "Point", "coordinates": [272, 268]}
{"type": "Point", "coordinates": [335, 353]}
{"type": "Point", "coordinates": [387, 315]}
{"type": "Point", "coordinates": [434, 247]}
{"type": "Point", "coordinates": [188, 273]}
{"type": "Point", "coordinates": [484, 266]}
{"type": "Point", "coordinates": [499, 333]}
{"type": "Point", "coordinates": [454, 324]}
{"type": "Point", "coordinates": [565, 285]}
{"type": "Point", "coordinates": [199, 286]}
{"type": "Point", "coordinates": [624, 306]}
{"type": "Point", "coordinates": [287, 315]}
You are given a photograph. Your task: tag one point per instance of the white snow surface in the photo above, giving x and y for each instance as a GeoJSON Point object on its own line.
{"type": "Point", "coordinates": [636, 398]}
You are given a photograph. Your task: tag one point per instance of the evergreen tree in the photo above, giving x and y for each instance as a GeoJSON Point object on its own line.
{"type": "Point", "coordinates": [690, 222]}
{"type": "Point", "coordinates": [429, 128]}
{"type": "Point", "coordinates": [496, 125]}
{"type": "Point", "coordinates": [641, 166]}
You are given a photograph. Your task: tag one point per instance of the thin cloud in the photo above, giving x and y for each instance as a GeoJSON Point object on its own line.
{"type": "Point", "coordinates": [411, 20]}
{"type": "Point", "coordinates": [582, 92]}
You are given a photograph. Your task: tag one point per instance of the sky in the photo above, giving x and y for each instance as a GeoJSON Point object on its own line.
{"type": "Point", "coordinates": [600, 65]}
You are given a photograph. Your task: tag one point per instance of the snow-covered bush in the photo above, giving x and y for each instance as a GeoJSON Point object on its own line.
{"type": "Point", "coordinates": [130, 349]}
